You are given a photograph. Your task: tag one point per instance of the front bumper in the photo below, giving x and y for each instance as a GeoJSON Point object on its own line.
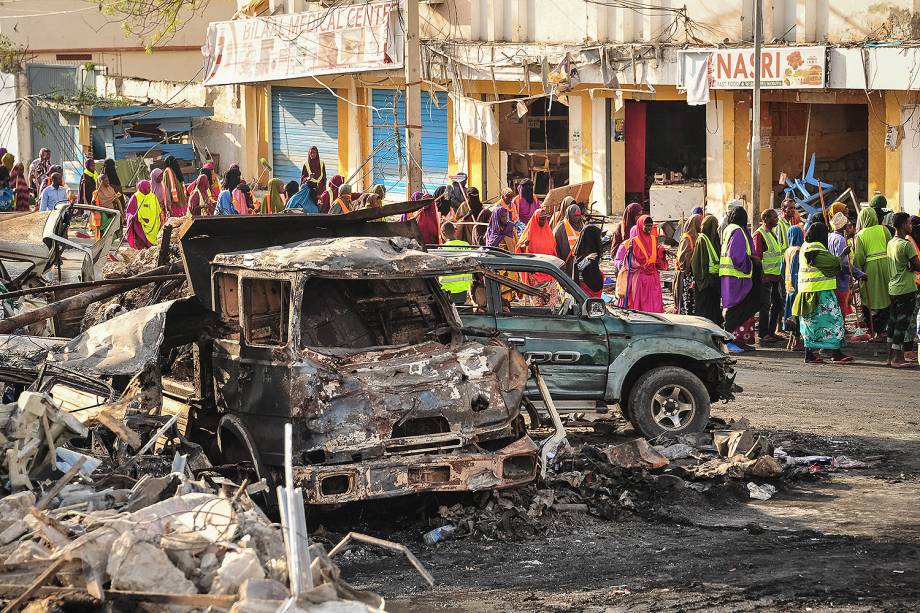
{"type": "Point", "coordinates": [721, 380]}
{"type": "Point", "coordinates": [458, 471]}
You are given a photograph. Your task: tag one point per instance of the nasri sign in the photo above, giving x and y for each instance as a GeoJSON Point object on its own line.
{"type": "Point", "coordinates": [349, 38]}
{"type": "Point", "coordinates": [780, 68]}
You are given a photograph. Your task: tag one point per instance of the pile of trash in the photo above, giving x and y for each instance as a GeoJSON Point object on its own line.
{"type": "Point", "coordinates": [98, 512]}
{"type": "Point", "coordinates": [636, 478]}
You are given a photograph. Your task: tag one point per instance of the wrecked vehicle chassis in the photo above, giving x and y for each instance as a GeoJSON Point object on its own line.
{"type": "Point", "coordinates": [354, 343]}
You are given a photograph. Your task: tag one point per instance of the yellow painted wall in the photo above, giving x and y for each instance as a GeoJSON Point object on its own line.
{"type": "Point", "coordinates": [728, 145]}
{"type": "Point", "coordinates": [877, 155]}
{"type": "Point", "coordinates": [893, 158]}
{"type": "Point", "coordinates": [618, 167]}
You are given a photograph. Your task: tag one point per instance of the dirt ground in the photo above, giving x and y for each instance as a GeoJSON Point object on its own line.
{"type": "Point", "coordinates": [849, 541]}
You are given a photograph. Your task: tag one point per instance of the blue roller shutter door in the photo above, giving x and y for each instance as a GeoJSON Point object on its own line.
{"type": "Point", "coordinates": [302, 118]}
{"type": "Point", "coordinates": [387, 142]}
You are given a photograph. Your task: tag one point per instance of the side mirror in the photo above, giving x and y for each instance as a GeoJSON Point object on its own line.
{"type": "Point", "coordinates": [594, 308]}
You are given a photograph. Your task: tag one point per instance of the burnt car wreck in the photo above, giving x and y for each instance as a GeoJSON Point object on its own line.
{"type": "Point", "coordinates": [352, 340]}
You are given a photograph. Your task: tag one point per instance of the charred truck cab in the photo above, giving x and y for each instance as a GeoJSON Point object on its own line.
{"type": "Point", "coordinates": [352, 341]}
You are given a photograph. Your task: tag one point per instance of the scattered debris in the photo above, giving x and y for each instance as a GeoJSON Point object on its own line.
{"type": "Point", "coordinates": [761, 492]}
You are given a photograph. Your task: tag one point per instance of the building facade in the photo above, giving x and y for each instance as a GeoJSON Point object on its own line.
{"type": "Point", "coordinates": [844, 81]}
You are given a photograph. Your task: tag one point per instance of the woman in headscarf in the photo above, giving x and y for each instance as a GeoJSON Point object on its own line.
{"type": "Point", "coordinates": [837, 207]}
{"type": "Point", "coordinates": [816, 306]}
{"type": "Point", "coordinates": [740, 272]}
{"type": "Point", "coordinates": [143, 217]}
{"type": "Point", "coordinates": [232, 178]}
{"type": "Point", "coordinates": [621, 234]}
{"type": "Point", "coordinates": [795, 238]}
{"type": "Point", "coordinates": [157, 187]}
{"type": "Point", "coordinates": [199, 201]}
{"type": "Point", "coordinates": [272, 201]}
{"type": "Point", "coordinates": [879, 204]}
{"type": "Point", "coordinates": [314, 171]}
{"type": "Point", "coordinates": [290, 188]}
{"type": "Point", "coordinates": [107, 196]}
{"type": "Point", "coordinates": [538, 238]}
{"type": "Point", "coordinates": [176, 198]}
{"type": "Point", "coordinates": [39, 169]}
{"type": "Point", "coordinates": [8, 160]}
{"type": "Point", "coordinates": [427, 220]}
{"type": "Point", "coordinates": [304, 200]}
{"type": "Point", "coordinates": [224, 204]}
{"type": "Point", "coordinates": [587, 261]}
{"type": "Point", "coordinates": [870, 256]}
{"type": "Point", "coordinates": [473, 225]}
{"type": "Point", "coordinates": [684, 300]}
{"type": "Point", "coordinates": [566, 234]}
{"type": "Point", "coordinates": [108, 167]}
{"type": "Point", "coordinates": [331, 192]}
{"type": "Point", "coordinates": [342, 204]}
{"type": "Point", "coordinates": [442, 202]}
{"type": "Point", "coordinates": [21, 193]}
{"type": "Point", "coordinates": [87, 182]}
{"type": "Point", "coordinates": [526, 202]}
{"type": "Point", "coordinates": [213, 179]}
{"type": "Point", "coordinates": [242, 199]}
{"type": "Point", "coordinates": [637, 264]}
{"type": "Point", "coordinates": [500, 232]}
{"type": "Point", "coordinates": [705, 265]}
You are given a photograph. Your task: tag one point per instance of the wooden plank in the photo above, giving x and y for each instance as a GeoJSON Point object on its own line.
{"type": "Point", "coordinates": [39, 582]}
{"type": "Point", "coordinates": [63, 481]}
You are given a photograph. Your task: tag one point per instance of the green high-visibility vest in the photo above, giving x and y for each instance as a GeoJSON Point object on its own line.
{"type": "Point", "coordinates": [773, 253]}
{"type": "Point", "coordinates": [810, 278]}
{"type": "Point", "coordinates": [782, 233]}
{"type": "Point", "coordinates": [726, 267]}
{"type": "Point", "coordinates": [713, 256]}
{"type": "Point", "coordinates": [454, 284]}
{"type": "Point", "coordinates": [873, 239]}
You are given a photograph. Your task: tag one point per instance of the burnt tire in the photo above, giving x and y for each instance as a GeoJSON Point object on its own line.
{"type": "Point", "coordinates": [667, 402]}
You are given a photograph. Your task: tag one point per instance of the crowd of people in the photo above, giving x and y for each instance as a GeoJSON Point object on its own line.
{"type": "Point", "coordinates": [797, 280]}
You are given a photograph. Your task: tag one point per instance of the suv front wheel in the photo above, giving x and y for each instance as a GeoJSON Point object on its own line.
{"type": "Point", "coordinates": [667, 402]}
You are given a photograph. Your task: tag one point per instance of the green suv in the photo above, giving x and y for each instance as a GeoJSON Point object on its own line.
{"type": "Point", "coordinates": [663, 370]}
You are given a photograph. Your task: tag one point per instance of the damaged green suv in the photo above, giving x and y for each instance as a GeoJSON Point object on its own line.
{"type": "Point", "coordinates": [663, 370]}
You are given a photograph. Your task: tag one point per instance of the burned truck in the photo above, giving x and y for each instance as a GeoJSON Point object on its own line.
{"type": "Point", "coordinates": [350, 338]}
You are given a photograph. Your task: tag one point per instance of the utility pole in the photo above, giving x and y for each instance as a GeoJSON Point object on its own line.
{"type": "Point", "coordinates": [755, 116]}
{"type": "Point", "coordinates": [413, 100]}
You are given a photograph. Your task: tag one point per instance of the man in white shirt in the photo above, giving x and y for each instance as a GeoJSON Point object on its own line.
{"type": "Point", "coordinates": [53, 194]}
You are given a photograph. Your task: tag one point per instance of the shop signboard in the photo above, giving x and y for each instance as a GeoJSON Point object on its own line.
{"type": "Point", "coordinates": [780, 68]}
{"type": "Point", "coordinates": [351, 38]}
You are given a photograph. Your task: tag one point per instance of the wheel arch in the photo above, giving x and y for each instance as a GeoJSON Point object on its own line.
{"type": "Point", "coordinates": [643, 355]}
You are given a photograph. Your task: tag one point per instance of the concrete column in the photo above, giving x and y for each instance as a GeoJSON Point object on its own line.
{"type": "Point", "coordinates": [715, 154]}
{"type": "Point", "coordinates": [597, 27]}
{"type": "Point", "coordinates": [618, 163]}
{"type": "Point", "coordinates": [893, 158]}
{"type": "Point", "coordinates": [806, 20]}
{"type": "Point", "coordinates": [600, 161]}
{"type": "Point", "coordinates": [877, 128]}
{"type": "Point", "coordinates": [495, 23]}
{"type": "Point", "coordinates": [576, 138]}
{"type": "Point", "coordinates": [520, 20]}
{"type": "Point", "coordinates": [624, 30]}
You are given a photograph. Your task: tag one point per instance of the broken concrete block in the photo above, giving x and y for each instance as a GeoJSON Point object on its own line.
{"type": "Point", "coordinates": [13, 532]}
{"type": "Point", "coordinates": [262, 589]}
{"type": "Point", "coordinates": [237, 567]}
{"type": "Point", "coordinates": [143, 567]}
{"type": "Point", "coordinates": [27, 551]}
{"type": "Point", "coordinates": [14, 507]}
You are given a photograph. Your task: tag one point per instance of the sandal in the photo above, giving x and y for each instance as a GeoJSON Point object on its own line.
{"type": "Point", "coordinates": [844, 359]}
{"type": "Point", "coordinates": [815, 361]}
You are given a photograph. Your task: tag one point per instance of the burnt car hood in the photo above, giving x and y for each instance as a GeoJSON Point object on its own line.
{"type": "Point", "coordinates": [425, 397]}
{"type": "Point", "coordinates": [353, 257]}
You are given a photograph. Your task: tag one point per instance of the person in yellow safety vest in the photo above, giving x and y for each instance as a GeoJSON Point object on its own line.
{"type": "Point", "coordinates": [342, 204]}
{"type": "Point", "coordinates": [870, 256]}
{"type": "Point", "coordinates": [739, 272]}
{"type": "Point", "coordinates": [705, 266]}
{"type": "Point", "coordinates": [458, 285]}
{"type": "Point", "coordinates": [816, 306]}
{"type": "Point", "coordinates": [772, 298]}
{"type": "Point", "coordinates": [903, 263]}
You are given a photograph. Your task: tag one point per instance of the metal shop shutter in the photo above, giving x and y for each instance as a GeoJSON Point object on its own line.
{"type": "Point", "coordinates": [302, 118]}
{"type": "Point", "coordinates": [435, 134]}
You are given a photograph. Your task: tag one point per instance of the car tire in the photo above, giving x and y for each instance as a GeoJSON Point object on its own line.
{"type": "Point", "coordinates": [667, 402]}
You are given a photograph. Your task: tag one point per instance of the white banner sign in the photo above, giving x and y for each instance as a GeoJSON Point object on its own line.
{"type": "Point", "coordinates": [780, 68]}
{"type": "Point", "coordinates": [347, 39]}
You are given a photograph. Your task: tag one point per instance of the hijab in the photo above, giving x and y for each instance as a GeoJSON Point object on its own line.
{"type": "Point", "coordinates": [867, 218]}
{"type": "Point", "coordinates": [332, 187]}
{"type": "Point", "coordinates": [475, 201]}
{"type": "Point", "coordinates": [88, 181]}
{"type": "Point", "coordinates": [225, 203]}
{"type": "Point", "coordinates": [4, 177]}
{"type": "Point", "coordinates": [305, 200]}
{"type": "Point", "coordinates": [528, 203]}
{"type": "Point", "coordinates": [621, 233]}
{"type": "Point", "coordinates": [817, 233]}
{"type": "Point", "coordinates": [8, 160]}
{"type": "Point", "coordinates": [795, 237]}
{"type": "Point", "coordinates": [380, 190]}
{"type": "Point", "coordinates": [314, 164]}
{"type": "Point", "coordinates": [427, 220]}
{"type": "Point", "coordinates": [108, 167]}
{"type": "Point", "coordinates": [699, 260]}
{"type": "Point", "coordinates": [590, 241]}
{"type": "Point", "coordinates": [688, 241]}
{"type": "Point", "coordinates": [201, 189]}
{"type": "Point", "coordinates": [156, 184]}
{"type": "Point", "coordinates": [242, 198]}
{"type": "Point", "coordinates": [275, 205]}
{"type": "Point", "coordinates": [639, 236]}
{"type": "Point", "coordinates": [443, 202]}
{"type": "Point", "coordinates": [232, 178]}
{"type": "Point", "coordinates": [173, 164]}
